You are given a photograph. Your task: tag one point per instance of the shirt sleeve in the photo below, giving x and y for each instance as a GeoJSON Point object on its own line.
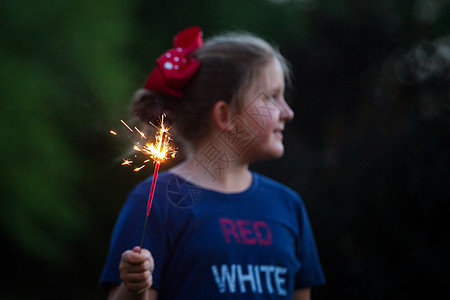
{"type": "Point", "coordinates": [310, 273]}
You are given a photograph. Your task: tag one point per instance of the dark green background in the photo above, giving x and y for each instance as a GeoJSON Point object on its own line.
{"type": "Point", "coordinates": [368, 149]}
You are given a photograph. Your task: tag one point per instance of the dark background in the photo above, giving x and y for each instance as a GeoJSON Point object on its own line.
{"type": "Point", "coordinates": [368, 149]}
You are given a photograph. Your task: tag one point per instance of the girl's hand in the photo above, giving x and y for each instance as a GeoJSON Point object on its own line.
{"type": "Point", "coordinates": [136, 267]}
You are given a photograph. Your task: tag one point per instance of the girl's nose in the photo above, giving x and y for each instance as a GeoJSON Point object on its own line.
{"type": "Point", "coordinates": [287, 114]}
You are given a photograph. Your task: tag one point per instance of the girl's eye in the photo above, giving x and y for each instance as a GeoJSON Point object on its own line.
{"type": "Point", "coordinates": [271, 98]}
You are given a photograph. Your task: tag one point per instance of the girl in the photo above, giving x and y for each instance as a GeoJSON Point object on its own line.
{"type": "Point", "coordinates": [216, 229]}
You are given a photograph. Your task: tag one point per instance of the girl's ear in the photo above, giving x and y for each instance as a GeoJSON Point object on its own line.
{"type": "Point", "coordinates": [221, 115]}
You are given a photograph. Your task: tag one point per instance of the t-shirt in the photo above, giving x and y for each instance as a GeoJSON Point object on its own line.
{"type": "Point", "coordinates": [257, 244]}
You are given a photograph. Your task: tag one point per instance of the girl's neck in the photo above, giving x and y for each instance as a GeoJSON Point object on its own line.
{"type": "Point", "coordinates": [216, 169]}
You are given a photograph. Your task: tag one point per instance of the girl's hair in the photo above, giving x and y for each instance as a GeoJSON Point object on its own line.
{"type": "Point", "coordinates": [229, 65]}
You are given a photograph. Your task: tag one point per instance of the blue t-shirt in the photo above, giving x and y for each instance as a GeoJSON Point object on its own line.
{"type": "Point", "coordinates": [257, 244]}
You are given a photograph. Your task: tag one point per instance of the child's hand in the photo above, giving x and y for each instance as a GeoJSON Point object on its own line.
{"type": "Point", "coordinates": [136, 267]}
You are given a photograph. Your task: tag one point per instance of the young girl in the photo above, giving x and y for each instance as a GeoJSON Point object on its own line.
{"type": "Point", "coordinates": [216, 230]}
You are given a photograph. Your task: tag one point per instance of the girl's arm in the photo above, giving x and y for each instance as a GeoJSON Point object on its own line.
{"type": "Point", "coordinates": [121, 292]}
{"type": "Point", "coordinates": [303, 294]}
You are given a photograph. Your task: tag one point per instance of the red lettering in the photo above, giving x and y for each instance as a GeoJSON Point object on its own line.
{"type": "Point", "coordinates": [264, 236]}
{"type": "Point", "coordinates": [245, 231]}
{"type": "Point", "coordinates": [229, 228]}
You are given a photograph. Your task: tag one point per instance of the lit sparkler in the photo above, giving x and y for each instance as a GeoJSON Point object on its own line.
{"type": "Point", "coordinates": [159, 151]}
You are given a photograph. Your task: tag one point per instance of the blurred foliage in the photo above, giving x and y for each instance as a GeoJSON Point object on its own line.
{"type": "Point", "coordinates": [368, 149]}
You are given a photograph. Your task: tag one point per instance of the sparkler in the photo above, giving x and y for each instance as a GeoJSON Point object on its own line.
{"type": "Point", "coordinates": [158, 151]}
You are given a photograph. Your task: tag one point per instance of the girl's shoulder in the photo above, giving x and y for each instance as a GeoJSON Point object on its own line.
{"type": "Point", "coordinates": [273, 185]}
{"type": "Point", "coordinates": [282, 199]}
{"type": "Point", "coordinates": [268, 182]}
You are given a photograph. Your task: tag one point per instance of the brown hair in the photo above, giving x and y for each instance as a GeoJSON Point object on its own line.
{"type": "Point", "coordinates": [229, 66]}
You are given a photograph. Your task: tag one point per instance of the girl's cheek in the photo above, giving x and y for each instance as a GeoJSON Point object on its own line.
{"type": "Point", "coordinates": [276, 111]}
{"type": "Point", "coordinates": [259, 116]}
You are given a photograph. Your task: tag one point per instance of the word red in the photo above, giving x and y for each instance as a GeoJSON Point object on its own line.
{"type": "Point", "coordinates": [246, 232]}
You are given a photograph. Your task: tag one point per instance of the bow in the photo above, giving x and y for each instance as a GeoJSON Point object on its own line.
{"type": "Point", "coordinates": [174, 68]}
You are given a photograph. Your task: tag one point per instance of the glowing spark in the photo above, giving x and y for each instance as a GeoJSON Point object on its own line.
{"type": "Point", "coordinates": [139, 168]}
{"type": "Point", "coordinates": [126, 162]}
{"type": "Point", "coordinates": [126, 125]}
{"type": "Point", "coordinates": [141, 133]}
{"type": "Point", "coordinates": [159, 151]}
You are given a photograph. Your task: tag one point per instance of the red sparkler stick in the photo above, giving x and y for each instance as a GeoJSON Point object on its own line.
{"type": "Point", "coordinates": [152, 189]}
{"type": "Point", "coordinates": [150, 200]}
{"type": "Point", "coordinates": [157, 151]}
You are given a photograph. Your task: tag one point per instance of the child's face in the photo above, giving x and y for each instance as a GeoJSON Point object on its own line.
{"type": "Point", "coordinates": [265, 113]}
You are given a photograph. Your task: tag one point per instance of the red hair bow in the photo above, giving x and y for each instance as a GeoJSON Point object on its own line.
{"type": "Point", "coordinates": [174, 68]}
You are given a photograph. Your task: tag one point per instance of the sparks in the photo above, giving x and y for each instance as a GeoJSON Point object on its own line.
{"type": "Point", "coordinates": [141, 133]}
{"type": "Point", "coordinates": [126, 162]}
{"type": "Point", "coordinates": [158, 151]}
{"type": "Point", "coordinates": [126, 125]}
{"type": "Point", "coordinates": [139, 168]}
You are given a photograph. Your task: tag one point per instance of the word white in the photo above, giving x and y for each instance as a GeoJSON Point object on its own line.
{"type": "Point", "coordinates": [261, 278]}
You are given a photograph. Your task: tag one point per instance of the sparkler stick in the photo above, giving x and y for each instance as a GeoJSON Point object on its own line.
{"type": "Point", "coordinates": [158, 152]}
{"type": "Point", "coordinates": [162, 141]}
{"type": "Point", "coordinates": [149, 202]}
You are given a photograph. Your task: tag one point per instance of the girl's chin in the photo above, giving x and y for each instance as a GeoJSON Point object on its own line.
{"type": "Point", "coordinates": [274, 153]}
{"type": "Point", "coordinates": [267, 152]}
{"type": "Point", "coordinates": [278, 149]}
{"type": "Point", "coordinates": [279, 153]}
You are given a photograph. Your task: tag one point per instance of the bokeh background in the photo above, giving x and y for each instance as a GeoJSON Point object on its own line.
{"type": "Point", "coordinates": [368, 149]}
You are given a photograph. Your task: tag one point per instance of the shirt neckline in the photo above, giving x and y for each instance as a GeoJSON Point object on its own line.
{"type": "Point", "coordinates": [250, 190]}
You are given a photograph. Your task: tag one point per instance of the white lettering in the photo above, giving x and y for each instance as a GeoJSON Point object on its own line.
{"type": "Point", "coordinates": [261, 278]}
{"type": "Point", "coordinates": [248, 277]}
{"type": "Point", "coordinates": [279, 281]}
{"type": "Point", "coordinates": [258, 279]}
{"type": "Point", "coordinates": [267, 270]}
{"type": "Point", "coordinates": [225, 277]}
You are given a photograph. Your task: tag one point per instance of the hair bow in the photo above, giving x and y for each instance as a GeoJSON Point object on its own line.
{"type": "Point", "coordinates": [174, 68]}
